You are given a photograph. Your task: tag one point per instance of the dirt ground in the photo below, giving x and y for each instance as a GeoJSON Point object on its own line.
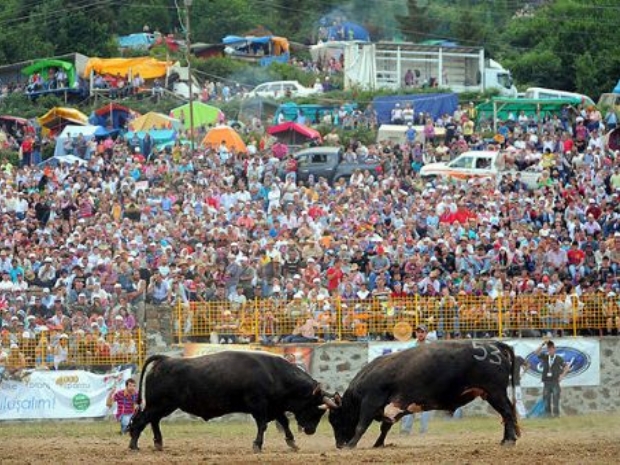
{"type": "Point", "coordinates": [592, 440]}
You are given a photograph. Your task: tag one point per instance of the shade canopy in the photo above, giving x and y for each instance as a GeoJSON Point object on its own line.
{"type": "Point", "coordinates": [294, 133]}
{"type": "Point", "coordinates": [153, 120]}
{"type": "Point", "coordinates": [204, 114]}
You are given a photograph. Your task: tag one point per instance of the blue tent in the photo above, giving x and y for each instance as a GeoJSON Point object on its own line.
{"type": "Point", "coordinates": [617, 88]}
{"type": "Point", "coordinates": [113, 116]}
{"type": "Point", "coordinates": [348, 31]}
{"type": "Point", "coordinates": [434, 104]}
{"type": "Point", "coordinates": [160, 138]}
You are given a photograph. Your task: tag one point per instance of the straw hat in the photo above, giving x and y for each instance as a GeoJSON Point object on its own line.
{"type": "Point", "coordinates": [402, 331]}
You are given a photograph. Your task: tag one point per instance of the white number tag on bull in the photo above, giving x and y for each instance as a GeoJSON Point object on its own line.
{"type": "Point", "coordinates": [488, 352]}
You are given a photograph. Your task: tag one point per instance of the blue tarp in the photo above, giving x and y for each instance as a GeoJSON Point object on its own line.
{"type": "Point", "coordinates": [434, 104]}
{"type": "Point", "coordinates": [139, 41]}
{"type": "Point", "coordinates": [348, 31]}
{"type": "Point", "coordinates": [617, 88]}
{"type": "Point", "coordinates": [118, 119]}
{"type": "Point", "coordinates": [228, 40]}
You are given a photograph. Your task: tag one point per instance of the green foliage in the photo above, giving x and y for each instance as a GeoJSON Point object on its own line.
{"type": "Point", "coordinates": [12, 156]}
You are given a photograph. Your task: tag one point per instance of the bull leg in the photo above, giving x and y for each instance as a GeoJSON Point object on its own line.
{"type": "Point", "coordinates": [385, 429]}
{"type": "Point", "coordinates": [158, 439]}
{"type": "Point", "coordinates": [282, 420]}
{"type": "Point", "coordinates": [504, 407]}
{"type": "Point", "coordinates": [369, 412]}
{"type": "Point", "coordinates": [137, 424]}
{"type": "Point", "coordinates": [261, 424]}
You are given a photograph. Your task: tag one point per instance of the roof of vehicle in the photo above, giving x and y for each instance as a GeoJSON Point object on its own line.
{"type": "Point", "coordinates": [278, 82]}
{"type": "Point", "coordinates": [334, 150]}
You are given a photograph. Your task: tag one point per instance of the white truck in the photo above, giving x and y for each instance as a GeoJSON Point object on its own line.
{"type": "Point", "coordinates": [391, 65]}
{"type": "Point", "coordinates": [479, 165]}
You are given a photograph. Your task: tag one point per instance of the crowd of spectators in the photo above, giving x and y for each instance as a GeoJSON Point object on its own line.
{"type": "Point", "coordinates": [84, 247]}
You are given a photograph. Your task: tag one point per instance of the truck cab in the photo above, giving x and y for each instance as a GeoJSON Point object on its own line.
{"type": "Point", "coordinates": [496, 77]}
{"type": "Point", "coordinates": [326, 162]}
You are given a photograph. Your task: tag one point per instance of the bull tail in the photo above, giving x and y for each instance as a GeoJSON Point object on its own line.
{"type": "Point", "coordinates": [514, 374]}
{"type": "Point", "coordinates": [150, 360]}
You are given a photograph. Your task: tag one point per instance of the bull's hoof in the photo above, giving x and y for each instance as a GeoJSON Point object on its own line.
{"type": "Point", "coordinates": [133, 445]}
{"type": "Point", "coordinates": [508, 442]}
{"type": "Point", "coordinates": [350, 446]}
{"type": "Point", "coordinates": [159, 446]}
{"type": "Point", "coordinates": [292, 445]}
{"type": "Point", "coordinates": [257, 449]}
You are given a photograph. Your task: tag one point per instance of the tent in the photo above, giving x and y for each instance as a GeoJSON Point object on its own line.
{"type": "Point", "coordinates": [224, 133]}
{"type": "Point", "coordinates": [204, 114]}
{"type": "Point", "coordinates": [293, 133]}
{"type": "Point", "coordinates": [434, 104]}
{"type": "Point", "coordinates": [347, 31]}
{"type": "Point", "coordinates": [57, 118]}
{"type": "Point", "coordinates": [15, 126]}
{"type": "Point", "coordinates": [499, 108]}
{"type": "Point", "coordinates": [612, 139]}
{"type": "Point", "coordinates": [62, 160]}
{"type": "Point", "coordinates": [112, 116]}
{"type": "Point", "coordinates": [43, 66]}
{"type": "Point", "coordinates": [153, 120]}
{"type": "Point", "coordinates": [161, 138]}
{"type": "Point", "coordinates": [147, 67]}
{"type": "Point", "coordinates": [74, 131]}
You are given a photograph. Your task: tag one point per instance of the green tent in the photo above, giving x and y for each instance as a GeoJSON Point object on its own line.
{"type": "Point", "coordinates": [499, 108]}
{"type": "Point", "coordinates": [42, 66]}
{"type": "Point", "coordinates": [203, 114]}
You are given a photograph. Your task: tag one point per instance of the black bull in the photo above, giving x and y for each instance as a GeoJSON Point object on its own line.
{"type": "Point", "coordinates": [263, 385]}
{"type": "Point", "coordinates": [440, 376]}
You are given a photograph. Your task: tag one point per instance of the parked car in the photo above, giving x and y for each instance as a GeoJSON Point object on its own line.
{"type": "Point", "coordinates": [478, 164]}
{"type": "Point", "coordinates": [281, 89]}
{"type": "Point", "coordinates": [326, 162]}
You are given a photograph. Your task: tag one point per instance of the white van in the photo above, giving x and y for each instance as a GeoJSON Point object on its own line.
{"type": "Point", "coordinates": [539, 92]}
{"type": "Point", "coordinates": [477, 165]}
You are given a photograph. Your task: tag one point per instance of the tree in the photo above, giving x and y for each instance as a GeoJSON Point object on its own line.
{"type": "Point", "coordinates": [416, 24]}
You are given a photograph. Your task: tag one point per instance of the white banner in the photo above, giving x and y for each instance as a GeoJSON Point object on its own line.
{"type": "Point", "coordinates": [58, 394]}
{"type": "Point", "coordinates": [583, 356]}
{"type": "Point", "coordinates": [377, 349]}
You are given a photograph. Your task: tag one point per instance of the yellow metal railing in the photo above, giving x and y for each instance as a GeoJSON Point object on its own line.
{"type": "Point", "coordinates": [370, 319]}
{"type": "Point", "coordinates": [68, 351]}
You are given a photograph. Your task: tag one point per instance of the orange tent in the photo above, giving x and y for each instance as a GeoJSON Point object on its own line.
{"type": "Point", "coordinates": [147, 67]}
{"type": "Point", "coordinates": [224, 133]}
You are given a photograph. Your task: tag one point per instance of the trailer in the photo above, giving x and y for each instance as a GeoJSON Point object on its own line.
{"type": "Point", "coordinates": [391, 65]}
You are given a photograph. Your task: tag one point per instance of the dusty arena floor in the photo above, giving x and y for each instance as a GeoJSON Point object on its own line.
{"type": "Point", "coordinates": [578, 440]}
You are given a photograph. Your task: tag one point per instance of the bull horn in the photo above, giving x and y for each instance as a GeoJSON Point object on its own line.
{"type": "Point", "coordinates": [323, 407]}
{"type": "Point", "coordinates": [317, 389]}
{"type": "Point", "coordinates": [329, 403]}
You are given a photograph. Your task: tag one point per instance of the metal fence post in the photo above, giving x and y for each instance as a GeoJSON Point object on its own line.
{"type": "Point", "coordinates": [256, 319]}
{"type": "Point", "coordinates": [574, 305]}
{"type": "Point", "coordinates": [416, 303]}
{"type": "Point", "coordinates": [179, 312]}
{"type": "Point", "coordinates": [339, 318]}
{"type": "Point", "coordinates": [500, 316]}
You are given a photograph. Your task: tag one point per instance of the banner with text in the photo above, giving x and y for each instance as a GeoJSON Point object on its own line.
{"type": "Point", "coordinates": [582, 355]}
{"type": "Point", "coordinates": [58, 394]}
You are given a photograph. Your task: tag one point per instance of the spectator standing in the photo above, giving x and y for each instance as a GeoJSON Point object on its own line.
{"type": "Point", "coordinates": [554, 371]}
{"type": "Point", "coordinates": [406, 425]}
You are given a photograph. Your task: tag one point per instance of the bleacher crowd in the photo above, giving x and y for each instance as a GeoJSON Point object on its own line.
{"type": "Point", "coordinates": [83, 248]}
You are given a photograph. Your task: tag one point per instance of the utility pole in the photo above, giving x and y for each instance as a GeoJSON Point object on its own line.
{"type": "Point", "coordinates": [188, 45]}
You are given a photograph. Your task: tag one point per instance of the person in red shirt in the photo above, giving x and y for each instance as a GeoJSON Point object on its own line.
{"type": "Point", "coordinates": [594, 210]}
{"type": "Point", "coordinates": [576, 258]}
{"type": "Point", "coordinates": [126, 401]}
{"type": "Point", "coordinates": [334, 275]}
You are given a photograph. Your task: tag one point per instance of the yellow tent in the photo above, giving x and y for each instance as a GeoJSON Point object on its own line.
{"type": "Point", "coordinates": [57, 118]}
{"type": "Point", "coordinates": [147, 67]}
{"type": "Point", "coordinates": [227, 134]}
{"type": "Point", "coordinates": [153, 120]}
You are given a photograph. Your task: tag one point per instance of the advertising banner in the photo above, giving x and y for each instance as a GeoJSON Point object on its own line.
{"type": "Point", "coordinates": [58, 394]}
{"type": "Point", "coordinates": [302, 354]}
{"type": "Point", "coordinates": [582, 355]}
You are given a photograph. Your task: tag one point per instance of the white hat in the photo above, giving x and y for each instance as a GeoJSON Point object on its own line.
{"type": "Point", "coordinates": [118, 317]}
{"type": "Point", "coordinates": [26, 335]}
{"type": "Point", "coordinates": [64, 336]}
{"type": "Point", "coordinates": [48, 260]}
